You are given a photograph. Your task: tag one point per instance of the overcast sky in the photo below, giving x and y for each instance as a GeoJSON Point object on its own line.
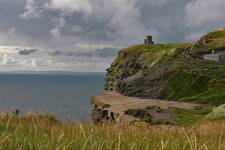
{"type": "Point", "coordinates": [85, 35]}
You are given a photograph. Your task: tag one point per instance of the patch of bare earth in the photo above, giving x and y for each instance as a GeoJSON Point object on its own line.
{"type": "Point", "coordinates": [114, 106]}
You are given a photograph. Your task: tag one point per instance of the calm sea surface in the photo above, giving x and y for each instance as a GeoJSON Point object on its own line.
{"type": "Point", "coordinates": [65, 96]}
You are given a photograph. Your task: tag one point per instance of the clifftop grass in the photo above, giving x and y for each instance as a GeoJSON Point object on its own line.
{"type": "Point", "coordinates": [219, 34]}
{"type": "Point", "coordinates": [148, 55]}
{"type": "Point", "coordinates": [212, 41]}
{"type": "Point", "coordinates": [43, 132]}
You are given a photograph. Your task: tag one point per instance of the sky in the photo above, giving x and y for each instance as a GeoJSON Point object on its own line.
{"type": "Point", "coordinates": [86, 35]}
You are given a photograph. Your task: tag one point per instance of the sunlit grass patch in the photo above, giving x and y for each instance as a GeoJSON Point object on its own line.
{"type": "Point", "coordinates": [217, 113]}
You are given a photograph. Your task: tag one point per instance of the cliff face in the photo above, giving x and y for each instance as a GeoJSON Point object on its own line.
{"type": "Point", "coordinates": [171, 71]}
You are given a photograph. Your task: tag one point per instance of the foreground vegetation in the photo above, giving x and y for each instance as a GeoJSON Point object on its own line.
{"type": "Point", "coordinates": [45, 132]}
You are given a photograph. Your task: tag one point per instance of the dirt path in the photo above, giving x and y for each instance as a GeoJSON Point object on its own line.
{"type": "Point", "coordinates": [117, 104]}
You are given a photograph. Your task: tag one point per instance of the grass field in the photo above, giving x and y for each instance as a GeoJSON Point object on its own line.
{"type": "Point", "coordinates": [45, 132]}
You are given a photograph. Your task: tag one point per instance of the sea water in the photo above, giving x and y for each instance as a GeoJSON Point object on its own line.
{"type": "Point", "coordinates": [67, 96]}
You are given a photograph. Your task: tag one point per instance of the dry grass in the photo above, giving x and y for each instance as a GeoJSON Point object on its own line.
{"type": "Point", "coordinates": [44, 132]}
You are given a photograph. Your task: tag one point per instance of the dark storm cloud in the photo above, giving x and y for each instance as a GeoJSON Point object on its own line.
{"type": "Point", "coordinates": [27, 51]}
{"type": "Point", "coordinates": [107, 52]}
{"type": "Point", "coordinates": [166, 17]}
{"type": "Point", "coordinates": [108, 21]}
{"type": "Point", "coordinates": [90, 28]}
{"type": "Point", "coordinates": [205, 15]}
{"type": "Point", "coordinates": [103, 53]}
{"type": "Point", "coordinates": [99, 26]}
{"type": "Point", "coordinates": [77, 54]}
{"type": "Point", "coordinates": [56, 53]}
{"type": "Point", "coordinates": [10, 10]}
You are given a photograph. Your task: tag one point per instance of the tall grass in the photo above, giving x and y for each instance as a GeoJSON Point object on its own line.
{"type": "Point", "coordinates": [45, 132]}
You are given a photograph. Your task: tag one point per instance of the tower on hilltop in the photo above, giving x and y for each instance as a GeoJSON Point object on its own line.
{"type": "Point", "coordinates": [148, 40]}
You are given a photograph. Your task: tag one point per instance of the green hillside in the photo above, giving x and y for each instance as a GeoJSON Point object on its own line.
{"type": "Point", "coordinates": [174, 71]}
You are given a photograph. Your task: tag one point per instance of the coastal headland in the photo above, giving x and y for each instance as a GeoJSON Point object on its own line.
{"type": "Point", "coordinates": [165, 83]}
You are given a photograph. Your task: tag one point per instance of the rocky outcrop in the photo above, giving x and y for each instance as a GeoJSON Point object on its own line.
{"type": "Point", "coordinates": [145, 83]}
{"type": "Point", "coordinates": [112, 107]}
{"type": "Point", "coordinates": [124, 70]}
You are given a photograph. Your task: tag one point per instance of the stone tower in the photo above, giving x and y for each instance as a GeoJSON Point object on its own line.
{"type": "Point", "coordinates": [148, 40]}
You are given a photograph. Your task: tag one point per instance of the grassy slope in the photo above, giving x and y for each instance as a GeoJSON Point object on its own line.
{"type": "Point", "coordinates": [188, 117]}
{"type": "Point", "coordinates": [184, 117]}
{"type": "Point", "coordinates": [149, 55]}
{"type": "Point", "coordinates": [212, 41]}
{"type": "Point", "coordinates": [38, 132]}
{"type": "Point", "coordinates": [192, 79]}
{"type": "Point", "coordinates": [195, 80]}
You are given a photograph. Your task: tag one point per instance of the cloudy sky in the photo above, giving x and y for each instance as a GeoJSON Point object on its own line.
{"type": "Point", "coordinates": [85, 35]}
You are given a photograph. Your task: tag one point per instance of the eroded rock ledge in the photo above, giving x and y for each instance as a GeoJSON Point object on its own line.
{"type": "Point", "coordinates": [113, 107]}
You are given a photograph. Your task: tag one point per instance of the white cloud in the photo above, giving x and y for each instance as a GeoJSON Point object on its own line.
{"type": "Point", "coordinates": [32, 10]}
{"type": "Point", "coordinates": [72, 5]}
{"type": "Point", "coordinates": [7, 60]}
{"type": "Point", "coordinates": [55, 33]}
{"type": "Point", "coordinates": [34, 63]}
{"type": "Point", "coordinates": [38, 8]}
{"type": "Point", "coordinates": [203, 12]}
{"type": "Point", "coordinates": [7, 49]}
{"type": "Point", "coordinates": [124, 20]}
{"type": "Point", "coordinates": [10, 60]}
{"type": "Point", "coordinates": [59, 23]}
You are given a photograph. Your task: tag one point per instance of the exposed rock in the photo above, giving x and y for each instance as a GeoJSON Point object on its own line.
{"type": "Point", "coordinates": [112, 107]}
{"type": "Point", "coordinates": [145, 83]}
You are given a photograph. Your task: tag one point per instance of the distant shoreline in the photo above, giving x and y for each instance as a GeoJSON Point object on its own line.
{"type": "Point", "coordinates": [52, 73]}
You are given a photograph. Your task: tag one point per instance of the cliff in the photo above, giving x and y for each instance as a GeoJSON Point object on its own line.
{"type": "Point", "coordinates": [168, 77]}
{"type": "Point", "coordinates": [174, 71]}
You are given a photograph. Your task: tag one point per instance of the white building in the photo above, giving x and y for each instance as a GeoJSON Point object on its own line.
{"type": "Point", "coordinates": [215, 56]}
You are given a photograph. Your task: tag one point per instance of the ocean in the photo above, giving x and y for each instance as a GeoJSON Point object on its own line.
{"type": "Point", "coordinates": [65, 96]}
